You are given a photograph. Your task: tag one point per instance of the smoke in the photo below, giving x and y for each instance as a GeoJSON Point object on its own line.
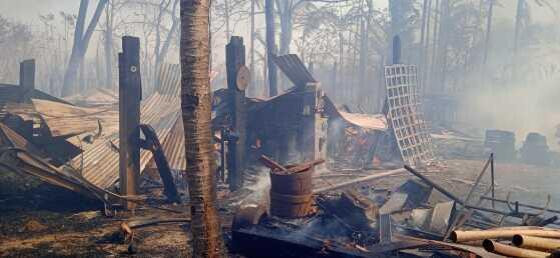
{"type": "Point", "coordinates": [527, 103]}
{"type": "Point", "coordinates": [259, 189]}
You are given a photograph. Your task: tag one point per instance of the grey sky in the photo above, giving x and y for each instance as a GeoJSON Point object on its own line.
{"type": "Point", "coordinates": [29, 10]}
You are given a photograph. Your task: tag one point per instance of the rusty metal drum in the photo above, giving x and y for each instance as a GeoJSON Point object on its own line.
{"type": "Point", "coordinates": [291, 194]}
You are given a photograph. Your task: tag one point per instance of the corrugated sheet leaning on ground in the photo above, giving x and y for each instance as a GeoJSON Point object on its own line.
{"type": "Point", "coordinates": [100, 161]}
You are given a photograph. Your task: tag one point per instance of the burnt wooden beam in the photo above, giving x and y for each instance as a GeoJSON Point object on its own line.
{"type": "Point", "coordinates": [152, 144]}
{"type": "Point", "coordinates": [27, 78]}
{"type": "Point", "coordinates": [130, 94]}
{"type": "Point", "coordinates": [237, 81]}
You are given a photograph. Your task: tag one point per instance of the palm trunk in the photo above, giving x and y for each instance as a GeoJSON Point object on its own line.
{"type": "Point", "coordinates": [196, 109]}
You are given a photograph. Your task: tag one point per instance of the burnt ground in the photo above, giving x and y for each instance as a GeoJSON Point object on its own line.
{"type": "Point", "coordinates": [37, 219]}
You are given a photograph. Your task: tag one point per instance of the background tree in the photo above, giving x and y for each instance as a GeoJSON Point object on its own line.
{"type": "Point", "coordinates": [81, 42]}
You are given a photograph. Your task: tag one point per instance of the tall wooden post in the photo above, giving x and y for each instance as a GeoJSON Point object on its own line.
{"type": "Point", "coordinates": [27, 75]}
{"type": "Point", "coordinates": [237, 80]}
{"type": "Point", "coordinates": [130, 94]}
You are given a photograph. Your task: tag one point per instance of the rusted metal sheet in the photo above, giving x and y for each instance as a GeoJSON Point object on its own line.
{"type": "Point", "coordinates": [294, 69]}
{"type": "Point", "coordinates": [94, 97]}
{"type": "Point", "coordinates": [16, 94]}
{"type": "Point", "coordinates": [405, 114]}
{"type": "Point", "coordinates": [368, 122]}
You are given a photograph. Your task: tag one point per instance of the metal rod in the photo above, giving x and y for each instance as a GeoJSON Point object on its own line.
{"type": "Point", "coordinates": [455, 198]}
{"type": "Point", "coordinates": [492, 174]}
{"type": "Point", "coordinates": [521, 204]}
{"type": "Point", "coordinates": [434, 185]}
{"type": "Point", "coordinates": [478, 179]}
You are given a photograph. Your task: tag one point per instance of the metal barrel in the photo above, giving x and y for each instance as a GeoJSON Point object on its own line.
{"type": "Point", "coordinates": [291, 194]}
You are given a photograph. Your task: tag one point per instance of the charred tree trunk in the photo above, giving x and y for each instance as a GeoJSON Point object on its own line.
{"type": "Point", "coordinates": [81, 42]}
{"type": "Point", "coordinates": [196, 110]}
{"type": "Point", "coordinates": [235, 60]}
{"type": "Point", "coordinates": [271, 48]}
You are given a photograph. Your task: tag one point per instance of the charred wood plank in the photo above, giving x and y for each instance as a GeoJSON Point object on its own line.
{"type": "Point", "coordinates": [130, 94]}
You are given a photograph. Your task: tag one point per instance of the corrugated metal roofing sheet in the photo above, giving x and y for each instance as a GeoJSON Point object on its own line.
{"type": "Point", "coordinates": [294, 69]}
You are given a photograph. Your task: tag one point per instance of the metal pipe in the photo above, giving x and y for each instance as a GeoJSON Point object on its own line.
{"type": "Point", "coordinates": [511, 251]}
{"type": "Point", "coordinates": [434, 185]}
{"type": "Point", "coordinates": [455, 198]}
{"type": "Point", "coordinates": [521, 204]}
{"type": "Point", "coordinates": [469, 195]}
{"type": "Point", "coordinates": [539, 243]}
{"type": "Point", "coordinates": [492, 175]}
{"type": "Point", "coordinates": [459, 236]}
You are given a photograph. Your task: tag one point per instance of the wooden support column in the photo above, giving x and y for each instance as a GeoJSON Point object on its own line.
{"type": "Point", "coordinates": [27, 77]}
{"type": "Point", "coordinates": [130, 94]}
{"type": "Point", "coordinates": [237, 79]}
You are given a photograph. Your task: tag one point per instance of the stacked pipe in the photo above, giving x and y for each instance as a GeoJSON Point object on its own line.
{"type": "Point", "coordinates": [514, 241]}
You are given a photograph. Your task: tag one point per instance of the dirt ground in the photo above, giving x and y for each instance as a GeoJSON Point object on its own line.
{"type": "Point", "coordinates": [40, 220]}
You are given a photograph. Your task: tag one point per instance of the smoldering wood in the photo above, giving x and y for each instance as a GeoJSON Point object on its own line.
{"type": "Point", "coordinates": [130, 94]}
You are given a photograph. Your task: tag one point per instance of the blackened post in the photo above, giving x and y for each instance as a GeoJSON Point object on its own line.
{"type": "Point", "coordinates": [130, 94]}
{"type": "Point", "coordinates": [27, 75]}
{"type": "Point", "coordinates": [235, 65]}
{"type": "Point", "coordinates": [396, 50]}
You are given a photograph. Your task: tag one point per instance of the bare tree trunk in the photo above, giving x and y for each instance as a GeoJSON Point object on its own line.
{"type": "Point", "coordinates": [444, 38]}
{"type": "Point", "coordinates": [81, 42]}
{"type": "Point", "coordinates": [109, 46]}
{"type": "Point", "coordinates": [252, 90]}
{"type": "Point", "coordinates": [426, 63]}
{"type": "Point", "coordinates": [271, 47]}
{"type": "Point", "coordinates": [226, 7]}
{"type": "Point", "coordinates": [488, 31]}
{"type": "Point", "coordinates": [363, 54]}
{"type": "Point", "coordinates": [434, 64]}
{"type": "Point", "coordinates": [196, 109]}
{"type": "Point", "coordinates": [162, 50]}
{"type": "Point", "coordinates": [518, 17]}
